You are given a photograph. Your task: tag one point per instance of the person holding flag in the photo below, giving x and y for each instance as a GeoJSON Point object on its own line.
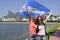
{"type": "Point", "coordinates": [32, 25]}
{"type": "Point", "coordinates": [41, 28]}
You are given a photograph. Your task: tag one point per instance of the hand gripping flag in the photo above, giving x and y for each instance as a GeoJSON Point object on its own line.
{"type": "Point", "coordinates": [34, 8]}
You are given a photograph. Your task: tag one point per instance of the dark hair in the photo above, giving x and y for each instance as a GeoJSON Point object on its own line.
{"type": "Point", "coordinates": [40, 19]}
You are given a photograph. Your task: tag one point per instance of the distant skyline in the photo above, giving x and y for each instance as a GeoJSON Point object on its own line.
{"type": "Point", "coordinates": [15, 5]}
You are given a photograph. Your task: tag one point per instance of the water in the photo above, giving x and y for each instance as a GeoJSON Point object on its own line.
{"type": "Point", "coordinates": [14, 31]}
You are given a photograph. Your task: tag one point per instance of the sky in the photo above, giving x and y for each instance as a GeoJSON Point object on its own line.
{"type": "Point", "coordinates": [16, 5]}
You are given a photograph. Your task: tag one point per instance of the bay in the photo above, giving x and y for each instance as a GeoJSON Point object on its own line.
{"type": "Point", "coordinates": [15, 31]}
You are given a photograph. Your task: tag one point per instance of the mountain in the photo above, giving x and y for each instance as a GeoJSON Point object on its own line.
{"type": "Point", "coordinates": [10, 15]}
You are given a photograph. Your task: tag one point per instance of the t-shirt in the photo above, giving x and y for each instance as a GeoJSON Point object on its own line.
{"type": "Point", "coordinates": [41, 30]}
{"type": "Point", "coordinates": [32, 28]}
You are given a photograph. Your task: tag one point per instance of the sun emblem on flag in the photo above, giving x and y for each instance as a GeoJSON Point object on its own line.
{"type": "Point", "coordinates": [33, 9]}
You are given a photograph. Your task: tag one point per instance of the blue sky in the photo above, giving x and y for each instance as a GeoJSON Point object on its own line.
{"type": "Point", "coordinates": [15, 5]}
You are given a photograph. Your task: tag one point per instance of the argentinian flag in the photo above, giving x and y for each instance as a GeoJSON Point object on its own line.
{"type": "Point", "coordinates": [34, 8]}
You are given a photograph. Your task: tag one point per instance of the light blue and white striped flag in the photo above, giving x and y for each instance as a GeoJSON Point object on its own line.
{"type": "Point", "coordinates": [35, 9]}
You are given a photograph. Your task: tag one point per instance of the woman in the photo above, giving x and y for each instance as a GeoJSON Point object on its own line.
{"type": "Point", "coordinates": [32, 25]}
{"type": "Point", "coordinates": [41, 29]}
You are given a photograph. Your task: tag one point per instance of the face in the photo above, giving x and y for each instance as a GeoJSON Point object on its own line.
{"type": "Point", "coordinates": [40, 21]}
{"type": "Point", "coordinates": [35, 19]}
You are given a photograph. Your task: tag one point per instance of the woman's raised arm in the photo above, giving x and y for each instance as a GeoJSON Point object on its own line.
{"type": "Point", "coordinates": [48, 17]}
{"type": "Point", "coordinates": [28, 13]}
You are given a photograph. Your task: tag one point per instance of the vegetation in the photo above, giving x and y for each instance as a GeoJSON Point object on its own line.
{"type": "Point", "coordinates": [52, 29]}
{"type": "Point", "coordinates": [54, 21]}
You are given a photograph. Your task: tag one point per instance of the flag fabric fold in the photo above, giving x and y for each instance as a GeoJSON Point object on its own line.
{"type": "Point", "coordinates": [37, 5]}
{"type": "Point", "coordinates": [34, 8]}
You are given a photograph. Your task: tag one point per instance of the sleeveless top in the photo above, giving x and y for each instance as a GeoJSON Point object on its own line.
{"type": "Point", "coordinates": [32, 28]}
{"type": "Point", "coordinates": [42, 30]}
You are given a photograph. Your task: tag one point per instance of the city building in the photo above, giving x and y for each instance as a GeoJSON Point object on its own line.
{"type": "Point", "coordinates": [8, 19]}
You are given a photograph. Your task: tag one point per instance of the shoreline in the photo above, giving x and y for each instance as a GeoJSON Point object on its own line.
{"type": "Point", "coordinates": [15, 22]}
{"type": "Point", "coordinates": [28, 22]}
